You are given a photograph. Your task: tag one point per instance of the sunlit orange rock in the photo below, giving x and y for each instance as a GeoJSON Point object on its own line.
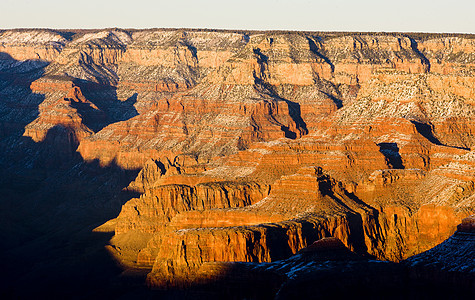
{"type": "Point", "coordinates": [252, 146]}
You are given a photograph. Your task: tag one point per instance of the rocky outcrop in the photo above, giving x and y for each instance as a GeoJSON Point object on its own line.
{"type": "Point", "coordinates": [71, 112]}
{"type": "Point", "coordinates": [154, 210]}
{"type": "Point", "coordinates": [181, 254]}
{"type": "Point", "coordinates": [449, 263]}
{"type": "Point", "coordinates": [300, 207]}
{"type": "Point", "coordinates": [467, 225]}
{"type": "Point", "coordinates": [327, 264]}
{"type": "Point", "coordinates": [40, 44]}
{"type": "Point", "coordinates": [193, 126]}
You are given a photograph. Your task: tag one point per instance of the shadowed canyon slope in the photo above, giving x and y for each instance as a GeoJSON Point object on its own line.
{"type": "Point", "coordinates": [197, 146]}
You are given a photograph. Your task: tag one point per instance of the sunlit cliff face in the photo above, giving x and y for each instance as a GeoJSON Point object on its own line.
{"type": "Point", "coordinates": [250, 146]}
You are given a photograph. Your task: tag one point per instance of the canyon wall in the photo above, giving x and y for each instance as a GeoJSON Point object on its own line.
{"type": "Point", "coordinates": [251, 146]}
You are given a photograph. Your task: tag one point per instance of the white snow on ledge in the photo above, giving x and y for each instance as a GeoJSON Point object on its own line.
{"type": "Point", "coordinates": [36, 37]}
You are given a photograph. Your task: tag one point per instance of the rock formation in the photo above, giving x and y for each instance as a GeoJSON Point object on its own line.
{"type": "Point", "coordinates": [451, 262]}
{"type": "Point", "coordinates": [242, 147]}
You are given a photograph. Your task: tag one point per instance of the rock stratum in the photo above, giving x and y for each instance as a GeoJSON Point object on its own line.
{"type": "Point", "coordinates": [198, 148]}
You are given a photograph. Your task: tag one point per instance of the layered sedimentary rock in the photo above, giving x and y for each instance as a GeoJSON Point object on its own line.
{"type": "Point", "coordinates": [251, 146]}
{"type": "Point", "coordinates": [441, 272]}
{"type": "Point", "coordinates": [69, 112]}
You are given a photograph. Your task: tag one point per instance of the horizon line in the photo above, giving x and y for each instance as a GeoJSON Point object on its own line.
{"type": "Point", "coordinates": [235, 30]}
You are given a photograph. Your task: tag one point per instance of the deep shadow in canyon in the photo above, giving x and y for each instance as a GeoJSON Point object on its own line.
{"type": "Point", "coordinates": [48, 213]}
{"type": "Point", "coordinates": [15, 79]}
{"type": "Point", "coordinates": [52, 199]}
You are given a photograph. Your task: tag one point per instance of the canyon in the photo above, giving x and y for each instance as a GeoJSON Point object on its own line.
{"type": "Point", "coordinates": [166, 160]}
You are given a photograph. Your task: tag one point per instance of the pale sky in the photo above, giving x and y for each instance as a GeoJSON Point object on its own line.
{"type": "Point", "coordinates": [319, 15]}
